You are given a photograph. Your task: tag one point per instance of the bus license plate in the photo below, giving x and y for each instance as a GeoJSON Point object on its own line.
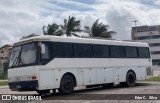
{"type": "Point", "coordinates": [18, 86]}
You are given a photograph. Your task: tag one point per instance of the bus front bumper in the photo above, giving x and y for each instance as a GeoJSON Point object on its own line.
{"type": "Point", "coordinates": [23, 85]}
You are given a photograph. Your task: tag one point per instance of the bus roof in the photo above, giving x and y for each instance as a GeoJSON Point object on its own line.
{"type": "Point", "coordinates": [81, 40]}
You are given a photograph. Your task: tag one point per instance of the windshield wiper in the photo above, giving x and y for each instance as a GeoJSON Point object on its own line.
{"type": "Point", "coordinates": [14, 62]}
{"type": "Point", "coordinates": [17, 61]}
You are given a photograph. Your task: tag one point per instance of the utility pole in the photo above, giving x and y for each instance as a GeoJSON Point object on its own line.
{"type": "Point", "coordinates": [135, 21]}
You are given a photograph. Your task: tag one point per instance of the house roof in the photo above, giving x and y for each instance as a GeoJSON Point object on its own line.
{"type": "Point", "coordinates": [7, 45]}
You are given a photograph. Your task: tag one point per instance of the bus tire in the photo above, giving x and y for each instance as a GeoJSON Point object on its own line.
{"type": "Point", "coordinates": [43, 91]}
{"type": "Point", "coordinates": [130, 79]}
{"type": "Point", "coordinates": [66, 84]}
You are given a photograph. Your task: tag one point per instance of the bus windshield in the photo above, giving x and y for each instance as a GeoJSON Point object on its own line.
{"type": "Point", "coordinates": [23, 55]}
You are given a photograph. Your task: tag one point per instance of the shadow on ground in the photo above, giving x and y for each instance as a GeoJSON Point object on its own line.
{"type": "Point", "coordinates": [82, 93]}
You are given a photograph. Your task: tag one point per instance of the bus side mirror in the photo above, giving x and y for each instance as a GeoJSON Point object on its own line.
{"type": "Point", "coordinates": [43, 49]}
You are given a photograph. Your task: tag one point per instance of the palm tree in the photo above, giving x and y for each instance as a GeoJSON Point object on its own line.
{"type": "Point", "coordinates": [29, 36]}
{"type": "Point", "coordinates": [99, 30]}
{"type": "Point", "coordinates": [53, 29]}
{"type": "Point", "coordinates": [71, 26]}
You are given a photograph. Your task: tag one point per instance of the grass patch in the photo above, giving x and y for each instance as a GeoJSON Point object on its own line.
{"type": "Point", "coordinates": [156, 78]}
{"type": "Point", "coordinates": [2, 83]}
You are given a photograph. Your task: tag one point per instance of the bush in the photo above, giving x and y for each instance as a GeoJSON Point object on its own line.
{"type": "Point", "coordinates": [3, 75]}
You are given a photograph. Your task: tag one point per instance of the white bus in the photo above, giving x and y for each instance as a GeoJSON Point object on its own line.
{"type": "Point", "coordinates": [45, 63]}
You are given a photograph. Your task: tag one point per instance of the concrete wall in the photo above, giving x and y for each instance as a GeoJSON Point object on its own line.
{"type": "Point", "coordinates": [156, 70]}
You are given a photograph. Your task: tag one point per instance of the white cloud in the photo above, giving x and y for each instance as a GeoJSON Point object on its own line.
{"type": "Point", "coordinates": [78, 4]}
{"type": "Point", "coordinates": [23, 17]}
{"type": "Point", "coordinates": [121, 13]}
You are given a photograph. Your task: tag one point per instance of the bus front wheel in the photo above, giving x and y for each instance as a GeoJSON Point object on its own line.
{"type": "Point", "coordinates": [66, 85]}
{"type": "Point", "coordinates": [130, 79]}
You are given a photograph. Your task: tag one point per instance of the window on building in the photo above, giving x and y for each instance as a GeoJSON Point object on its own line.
{"type": "Point", "coordinates": [148, 37]}
{"type": "Point", "coordinates": [152, 28]}
{"type": "Point", "coordinates": [154, 44]}
{"type": "Point", "coordinates": [156, 61]}
{"type": "Point", "coordinates": [1, 51]}
{"type": "Point", "coordinates": [155, 52]}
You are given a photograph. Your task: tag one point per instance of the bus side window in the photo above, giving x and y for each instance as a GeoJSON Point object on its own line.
{"type": "Point", "coordinates": [88, 52]}
{"type": "Point", "coordinates": [101, 51]}
{"type": "Point", "coordinates": [47, 53]}
{"type": "Point", "coordinates": [143, 52]}
{"type": "Point", "coordinates": [69, 50]}
{"type": "Point", "coordinates": [131, 52]}
{"type": "Point", "coordinates": [117, 51]}
{"type": "Point", "coordinates": [79, 52]}
{"type": "Point", "coordinates": [59, 49]}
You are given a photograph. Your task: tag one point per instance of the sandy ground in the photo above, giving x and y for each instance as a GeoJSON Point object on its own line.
{"type": "Point", "coordinates": [83, 95]}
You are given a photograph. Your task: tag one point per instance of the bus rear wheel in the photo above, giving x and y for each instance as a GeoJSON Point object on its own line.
{"type": "Point", "coordinates": [66, 85]}
{"type": "Point", "coordinates": [130, 79]}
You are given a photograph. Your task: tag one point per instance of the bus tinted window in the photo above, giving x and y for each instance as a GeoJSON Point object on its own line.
{"type": "Point", "coordinates": [87, 50]}
{"type": "Point", "coordinates": [131, 52]}
{"type": "Point", "coordinates": [143, 52]}
{"type": "Point", "coordinates": [69, 50]}
{"type": "Point", "coordinates": [78, 48]}
{"type": "Point", "coordinates": [116, 51]}
{"type": "Point", "coordinates": [101, 51]}
{"type": "Point", "coordinates": [59, 49]}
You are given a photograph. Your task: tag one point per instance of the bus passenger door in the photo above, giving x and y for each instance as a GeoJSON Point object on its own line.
{"type": "Point", "coordinates": [89, 76]}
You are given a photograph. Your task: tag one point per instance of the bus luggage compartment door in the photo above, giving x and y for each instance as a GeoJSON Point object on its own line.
{"type": "Point", "coordinates": [89, 76]}
{"type": "Point", "coordinates": [46, 78]}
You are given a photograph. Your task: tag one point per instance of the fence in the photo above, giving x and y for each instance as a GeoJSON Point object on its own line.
{"type": "Point", "coordinates": [3, 67]}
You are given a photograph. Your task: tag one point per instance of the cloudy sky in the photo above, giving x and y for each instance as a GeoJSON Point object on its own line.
{"type": "Point", "coordinates": [22, 17]}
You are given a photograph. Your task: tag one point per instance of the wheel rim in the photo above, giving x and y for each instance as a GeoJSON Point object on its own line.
{"type": "Point", "coordinates": [67, 84]}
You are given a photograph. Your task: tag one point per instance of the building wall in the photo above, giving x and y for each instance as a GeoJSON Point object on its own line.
{"type": "Point", "coordinates": [5, 52]}
{"type": "Point", "coordinates": [150, 35]}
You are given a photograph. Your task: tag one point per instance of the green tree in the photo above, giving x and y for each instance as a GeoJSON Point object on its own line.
{"type": "Point", "coordinates": [53, 29]}
{"type": "Point", "coordinates": [99, 30]}
{"type": "Point", "coordinates": [71, 26]}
